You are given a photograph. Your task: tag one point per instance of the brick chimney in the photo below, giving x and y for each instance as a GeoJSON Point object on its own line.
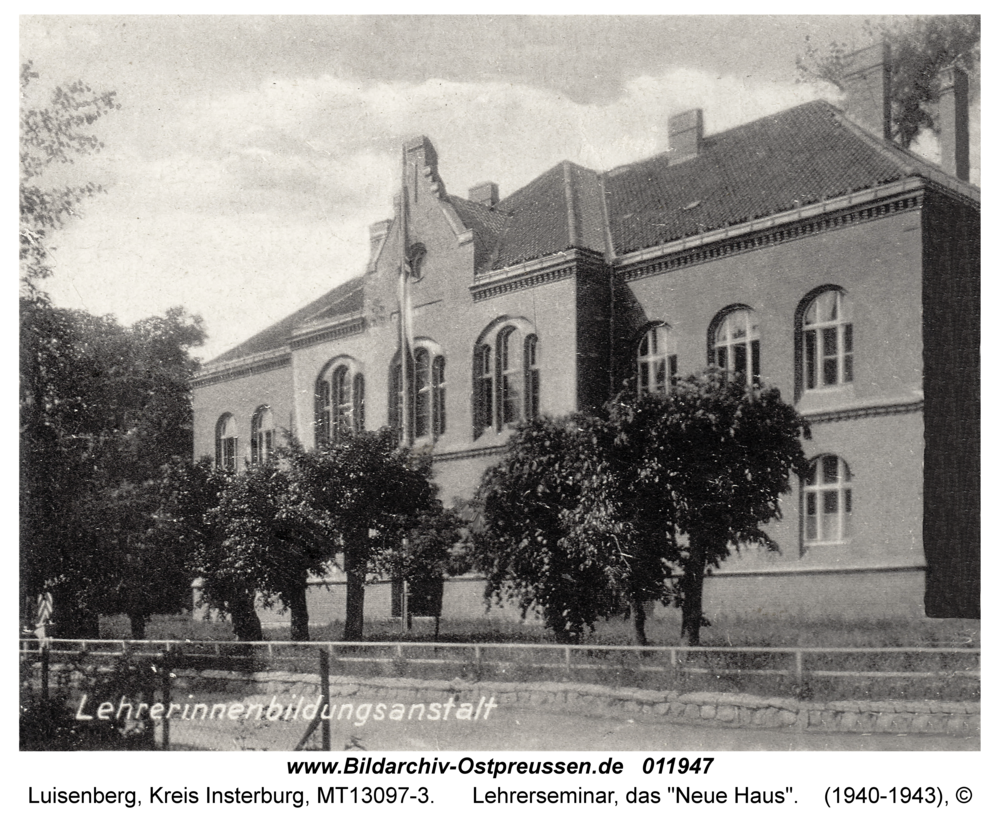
{"type": "Point", "coordinates": [686, 131]}
{"type": "Point", "coordinates": [488, 194]}
{"type": "Point", "coordinates": [866, 83]}
{"type": "Point", "coordinates": [953, 119]}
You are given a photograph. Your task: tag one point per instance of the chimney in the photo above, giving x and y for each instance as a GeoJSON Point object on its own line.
{"type": "Point", "coordinates": [953, 119]}
{"type": "Point", "coordinates": [488, 194]}
{"type": "Point", "coordinates": [866, 83]}
{"type": "Point", "coordinates": [686, 131]}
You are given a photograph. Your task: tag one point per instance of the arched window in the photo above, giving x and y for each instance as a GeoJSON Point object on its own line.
{"type": "Point", "coordinates": [735, 344]}
{"type": "Point", "coordinates": [340, 401]}
{"type": "Point", "coordinates": [417, 253]}
{"type": "Point", "coordinates": [427, 398]}
{"type": "Point", "coordinates": [506, 379]}
{"type": "Point", "coordinates": [827, 502]}
{"type": "Point", "coordinates": [827, 341]}
{"type": "Point", "coordinates": [657, 360]}
{"type": "Point", "coordinates": [262, 436]}
{"type": "Point", "coordinates": [531, 377]}
{"type": "Point", "coordinates": [226, 442]}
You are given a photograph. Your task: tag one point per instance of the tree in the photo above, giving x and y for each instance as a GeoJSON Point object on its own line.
{"type": "Point", "coordinates": [583, 516]}
{"type": "Point", "coordinates": [273, 537]}
{"type": "Point", "coordinates": [187, 521]}
{"type": "Point", "coordinates": [371, 493]}
{"type": "Point", "coordinates": [531, 543]}
{"type": "Point", "coordinates": [143, 573]}
{"type": "Point", "coordinates": [52, 135]}
{"type": "Point", "coordinates": [920, 47]}
{"type": "Point", "coordinates": [707, 463]}
{"type": "Point", "coordinates": [101, 406]}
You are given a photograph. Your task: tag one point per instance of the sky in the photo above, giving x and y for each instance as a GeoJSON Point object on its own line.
{"type": "Point", "coordinates": [251, 154]}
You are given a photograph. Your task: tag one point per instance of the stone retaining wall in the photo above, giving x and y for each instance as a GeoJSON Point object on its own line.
{"type": "Point", "coordinates": [719, 709]}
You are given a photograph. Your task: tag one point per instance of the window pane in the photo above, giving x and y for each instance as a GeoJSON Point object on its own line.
{"type": "Point", "coordinates": [738, 325]}
{"type": "Point", "coordinates": [810, 355]}
{"type": "Point", "coordinates": [720, 358]}
{"type": "Point", "coordinates": [830, 469]}
{"type": "Point", "coordinates": [660, 384]}
{"type": "Point", "coordinates": [810, 517]}
{"type": "Point", "coordinates": [740, 359]}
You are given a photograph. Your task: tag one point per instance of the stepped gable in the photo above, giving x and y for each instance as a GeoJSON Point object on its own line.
{"type": "Point", "coordinates": [344, 299]}
{"type": "Point", "coordinates": [792, 159]}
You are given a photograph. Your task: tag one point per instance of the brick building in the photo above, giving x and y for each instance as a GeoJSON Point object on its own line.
{"type": "Point", "coordinates": [803, 249]}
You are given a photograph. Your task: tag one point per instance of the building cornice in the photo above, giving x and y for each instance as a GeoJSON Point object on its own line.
{"type": "Point", "coordinates": [853, 413]}
{"type": "Point", "coordinates": [837, 213]}
{"type": "Point", "coordinates": [473, 452]}
{"type": "Point", "coordinates": [242, 367]}
{"type": "Point", "coordinates": [532, 273]}
{"type": "Point", "coordinates": [331, 330]}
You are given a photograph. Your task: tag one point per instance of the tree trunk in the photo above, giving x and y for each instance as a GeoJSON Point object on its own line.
{"type": "Point", "coordinates": [693, 584]}
{"type": "Point", "coordinates": [246, 622]}
{"type": "Point", "coordinates": [354, 620]}
{"type": "Point", "coordinates": [639, 622]}
{"type": "Point", "coordinates": [300, 612]}
{"type": "Point", "coordinates": [137, 621]}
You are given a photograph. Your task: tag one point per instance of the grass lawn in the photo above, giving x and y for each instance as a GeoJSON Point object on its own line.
{"type": "Point", "coordinates": [724, 632]}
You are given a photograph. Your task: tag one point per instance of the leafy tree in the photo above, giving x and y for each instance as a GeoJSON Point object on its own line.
{"type": "Point", "coordinates": [708, 464]}
{"type": "Point", "coordinates": [920, 47]}
{"type": "Point", "coordinates": [370, 493]}
{"type": "Point", "coordinates": [584, 516]}
{"type": "Point", "coordinates": [101, 406]}
{"type": "Point", "coordinates": [142, 573]}
{"type": "Point", "coordinates": [531, 545]}
{"type": "Point", "coordinates": [53, 135]}
{"type": "Point", "coordinates": [274, 538]}
{"type": "Point", "coordinates": [188, 523]}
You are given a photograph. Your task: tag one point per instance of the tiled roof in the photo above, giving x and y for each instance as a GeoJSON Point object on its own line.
{"type": "Point", "coordinates": [801, 156]}
{"type": "Point", "coordinates": [538, 223]}
{"type": "Point", "coordinates": [341, 300]}
{"type": "Point", "coordinates": [486, 223]}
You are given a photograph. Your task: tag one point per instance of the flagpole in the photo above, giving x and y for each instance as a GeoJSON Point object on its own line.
{"type": "Point", "coordinates": [404, 286]}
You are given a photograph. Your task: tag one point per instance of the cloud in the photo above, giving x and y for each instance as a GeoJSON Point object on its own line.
{"type": "Point", "coordinates": [255, 202]}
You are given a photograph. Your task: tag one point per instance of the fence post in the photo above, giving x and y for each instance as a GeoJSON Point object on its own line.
{"type": "Point", "coordinates": [45, 670]}
{"type": "Point", "coordinates": [569, 656]}
{"type": "Point", "coordinates": [324, 682]}
{"type": "Point", "coordinates": [798, 666]}
{"type": "Point", "coordinates": [165, 688]}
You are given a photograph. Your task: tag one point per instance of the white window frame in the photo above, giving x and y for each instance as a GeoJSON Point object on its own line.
{"type": "Point", "coordinates": [829, 495]}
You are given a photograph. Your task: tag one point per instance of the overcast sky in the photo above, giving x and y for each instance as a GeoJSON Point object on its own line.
{"type": "Point", "coordinates": [250, 154]}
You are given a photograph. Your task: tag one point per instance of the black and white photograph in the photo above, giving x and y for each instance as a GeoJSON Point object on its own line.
{"type": "Point", "coordinates": [592, 385]}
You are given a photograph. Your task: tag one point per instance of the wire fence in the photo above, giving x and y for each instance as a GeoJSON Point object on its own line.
{"type": "Point", "coordinates": [217, 695]}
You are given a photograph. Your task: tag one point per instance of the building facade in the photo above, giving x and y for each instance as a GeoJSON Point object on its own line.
{"type": "Point", "coordinates": [804, 250]}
